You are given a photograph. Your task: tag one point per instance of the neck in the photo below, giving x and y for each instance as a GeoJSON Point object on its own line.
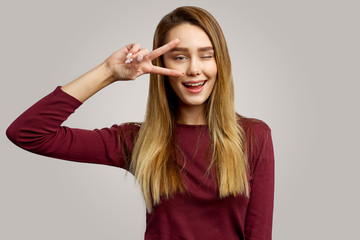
{"type": "Point", "coordinates": [191, 115]}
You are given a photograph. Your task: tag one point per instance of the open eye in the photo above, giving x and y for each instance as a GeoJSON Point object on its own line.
{"type": "Point", "coordinates": [180, 58]}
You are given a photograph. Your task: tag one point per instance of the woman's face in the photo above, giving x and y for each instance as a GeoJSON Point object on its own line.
{"type": "Point", "coordinates": [194, 56]}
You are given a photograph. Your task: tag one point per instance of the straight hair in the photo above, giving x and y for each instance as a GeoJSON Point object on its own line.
{"type": "Point", "coordinates": [154, 161]}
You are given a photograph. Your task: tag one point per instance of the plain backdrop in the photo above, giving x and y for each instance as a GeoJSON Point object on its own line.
{"type": "Point", "coordinates": [295, 66]}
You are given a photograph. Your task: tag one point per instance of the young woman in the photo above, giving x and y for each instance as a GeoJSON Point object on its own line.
{"type": "Point", "coordinates": [205, 172]}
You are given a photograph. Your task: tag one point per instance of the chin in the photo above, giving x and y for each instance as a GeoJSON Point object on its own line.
{"type": "Point", "coordinates": [194, 102]}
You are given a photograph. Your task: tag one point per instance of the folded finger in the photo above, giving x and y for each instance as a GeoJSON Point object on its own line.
{"type": "Point", "coordinates": [163, 49]}
{"type": "Point", "coordinates": [139, 56]}
{"type": "Point", "coordinates": [132, 49]}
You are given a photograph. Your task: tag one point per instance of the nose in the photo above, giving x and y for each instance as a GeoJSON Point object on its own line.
{"type": "Point", "coordinates": [193, 68]}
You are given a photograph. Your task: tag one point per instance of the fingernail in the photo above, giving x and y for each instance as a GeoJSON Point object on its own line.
{"type": "Point", "coordinates": [128, 61]}
{"type": "Point", "coordinates": [139, 58]}
{"type": "Point", "coordinates": [129, 55]}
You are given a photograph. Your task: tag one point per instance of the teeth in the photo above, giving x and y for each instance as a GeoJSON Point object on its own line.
{"type": "Point", "coordinates": [194, 84]}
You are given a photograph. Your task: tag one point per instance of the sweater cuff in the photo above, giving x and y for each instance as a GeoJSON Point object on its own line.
{"type": "Point", "coordinates": [70, 99]}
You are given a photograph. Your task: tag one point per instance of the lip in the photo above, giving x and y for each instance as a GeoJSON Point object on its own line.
{"type": "Point", "coordinates": [195, 90]}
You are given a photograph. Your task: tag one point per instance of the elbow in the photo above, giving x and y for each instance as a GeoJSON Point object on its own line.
{"type": "Point", "coordinates": [12, 133]}
{"type": "Point", "coordinates": [22, 136]}
{"type": "Point", "coordinates": [25, 138]}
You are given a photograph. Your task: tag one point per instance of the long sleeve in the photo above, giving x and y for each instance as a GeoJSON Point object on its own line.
{"type": "Point", "coordinates": [258, 224]}
{"type": "Point", "coordinates": [39, 130]}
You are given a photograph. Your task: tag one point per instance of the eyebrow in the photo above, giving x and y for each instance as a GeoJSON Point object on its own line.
{"type": "Point", "coordinates": [203, 49]}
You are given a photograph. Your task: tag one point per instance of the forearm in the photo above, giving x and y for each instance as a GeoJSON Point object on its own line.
{"type": "Point", "coordinates": [90, 83]}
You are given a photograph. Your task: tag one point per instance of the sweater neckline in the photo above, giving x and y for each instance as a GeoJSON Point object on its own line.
{"type": "Point", "coordinates": [191, 125]}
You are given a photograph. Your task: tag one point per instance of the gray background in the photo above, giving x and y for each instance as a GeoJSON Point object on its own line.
{"type": "Point", "coordinates": [295, 65]}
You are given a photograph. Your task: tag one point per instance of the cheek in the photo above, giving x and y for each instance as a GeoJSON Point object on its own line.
{"type": "Point", "coordinates": [212, 70]}
{"type": "Point", "coordinates": [175, 66]}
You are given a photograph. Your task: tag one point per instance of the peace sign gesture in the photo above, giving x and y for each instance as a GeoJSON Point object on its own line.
{"type": "Point", "coordinates": [132, 61]}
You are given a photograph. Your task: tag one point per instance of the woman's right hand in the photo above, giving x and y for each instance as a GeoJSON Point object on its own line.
{"type": "Point", "coordinates": [132, 61]}
{"type": "Point", "coordinates": [119, 67]}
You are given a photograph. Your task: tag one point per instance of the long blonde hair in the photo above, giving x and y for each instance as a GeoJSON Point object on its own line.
{"type": "Point", "coordinates": [154, 162]}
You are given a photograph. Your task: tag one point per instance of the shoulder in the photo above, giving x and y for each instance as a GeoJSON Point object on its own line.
{"type": "Point", "coordinates": [257, 134]}
{"type": "Point", "coordinates": [126, 137]}
{"type": "Point", "coordinates": [130, 126]}
{"type": "Point", "coordinates": [128, 130]}
{"type": "Point", "coordinates": [258, 143]}
{"type": "Point", "coordinates": [254, 126]}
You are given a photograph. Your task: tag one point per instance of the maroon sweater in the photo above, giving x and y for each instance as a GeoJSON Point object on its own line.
{"type": "Point", "coordinates": [197, 214]}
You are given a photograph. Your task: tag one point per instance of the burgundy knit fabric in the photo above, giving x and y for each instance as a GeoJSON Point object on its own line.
{"type": "Point", "coordinates": [199, 213]}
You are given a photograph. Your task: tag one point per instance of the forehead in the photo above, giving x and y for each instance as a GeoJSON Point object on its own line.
{"type": "Point", "coordinates": [191, 36]}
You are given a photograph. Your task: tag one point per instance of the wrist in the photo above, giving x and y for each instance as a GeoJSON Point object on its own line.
{"type": "Point", "coordinates": [108, 75]}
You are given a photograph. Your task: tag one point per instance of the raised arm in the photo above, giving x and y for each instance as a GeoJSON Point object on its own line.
{"type": "Point", "coordinates": [127, 63]}
{"type": "Point", "coordinates": [39, 128]}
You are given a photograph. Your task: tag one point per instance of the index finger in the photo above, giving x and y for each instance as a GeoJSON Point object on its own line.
{"type": "Point", "coordinates": [163, 49]}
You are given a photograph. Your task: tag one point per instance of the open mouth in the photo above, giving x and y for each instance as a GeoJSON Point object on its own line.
{"type": "Point", "coordinates": [194, 85]}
